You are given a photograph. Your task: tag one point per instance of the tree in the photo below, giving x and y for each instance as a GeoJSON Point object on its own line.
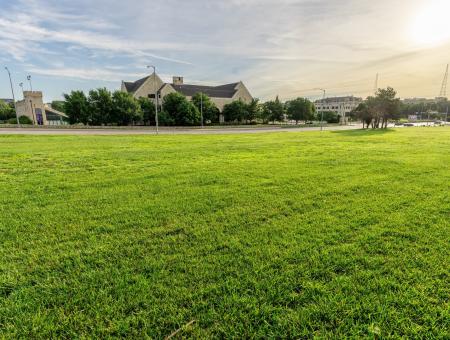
{"type": "Point", "coordinates": [273, 111]}
{"type": "Point", "coordinates": [253, 110]}
{"type": "Point", "coordinates": [100, 105]}
{"type": "Point", "coordinates": [148, 111]}
{"type": "Point", "coordinates": [76, 107]}
{"type": "Point", "coordinates": [386, 106]}
{"type": "Point", "coordinates": [58, 105]}
{"type": "Point", "coordinates": [328, 116]}
{"type": "Point", "coordinates": [236, 111]}
{"type": "Point", "coordinates": [300, 109]}
{"type": "Point", "coordinates": [180, 111]}
{"type": "Point", "coordinates": [210, 110]}
{"type": "Point", "coordinates": [125, 109]}
{"type": "Point", "coordinates": [6, 111]}
{"type": "Point", "coordinates": [377, 111]}
{"type": "Point", "coordinates": [363, 113]}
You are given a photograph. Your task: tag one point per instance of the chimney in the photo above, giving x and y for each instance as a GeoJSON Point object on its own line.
{"type": "Point", "coordinates": [177, 80]}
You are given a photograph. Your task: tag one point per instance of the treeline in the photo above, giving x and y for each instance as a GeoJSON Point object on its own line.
{"type": "Point", "coordinates": [103, 107]}
{"type": "Point", "coordinates": [300, 109]}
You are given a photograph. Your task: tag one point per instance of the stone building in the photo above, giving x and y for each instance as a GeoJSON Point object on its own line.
{"type": "Point", "coordinates": [33, 107]}
{"type": "Point", "coordinates": [220, 95]}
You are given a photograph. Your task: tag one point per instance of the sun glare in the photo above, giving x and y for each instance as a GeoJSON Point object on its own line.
{"type": "Point", "coordinates": [430, 25]}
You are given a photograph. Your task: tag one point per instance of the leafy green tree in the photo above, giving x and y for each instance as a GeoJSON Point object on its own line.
{"type": "Point", "coordinates": [101, 107]}
{"type": "Point", "coordinates": [387, 106]}
{"type": "Point", "coordinates": [125, 109]}
{"type": "Point", "coordinates": [273, 111]}
{"type": "Point", "coordinates": [363, 113]}
{"type": "Point", "coordinates": [378, 110]}
{"type": "Point", "coordinates": [236, 111]}
{"type": "Point", "coordinates": [6, 111]}
{"type": "Point", "coordinates": [253, 110]}
{"type": "Point", "coordinates": [328, 116]}
{"type": "Point", "coordinates": [180, 111]}
{"type": "Point", "coordinates": [148, 111]}
{"type": "Point", "coordinates": [76, 106]}
{"type": "Point", "coordinates": [58, 105]}
{"type": "Point", "coordinates": [300, 109]}
{"type": "Point", "coordinates": [24, 120]}
{"type": "Point", "coordinates": [210, 110]}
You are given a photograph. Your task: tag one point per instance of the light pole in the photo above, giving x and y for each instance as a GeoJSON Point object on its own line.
{"type": "Point", "coordinates": [14, 97]}
{"type": "Point", "coordinates": [29, 80]}
{"type": "Point", "coordinates": [201, 107]}
{"type": "Point", "coordinates": [21, 86]}
{"type": "Point", "coordinates": [321, 119]}
{"type": "Point", "coordinates": [156, 99]}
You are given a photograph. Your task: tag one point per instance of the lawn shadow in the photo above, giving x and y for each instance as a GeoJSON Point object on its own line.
{"type": "Point", "coordinates": [363, 132]}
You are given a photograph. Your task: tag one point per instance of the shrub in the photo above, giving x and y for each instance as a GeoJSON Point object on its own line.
{"type": "Point", "coordinates": [25, 120]}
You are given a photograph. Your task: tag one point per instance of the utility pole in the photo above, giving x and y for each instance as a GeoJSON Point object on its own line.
{"type": "Point", "coordinates": [156, 99]}
{"type": "Point", "coordinates": [14, 97]}
{"type": "Point", "coordinates": [443, 93]}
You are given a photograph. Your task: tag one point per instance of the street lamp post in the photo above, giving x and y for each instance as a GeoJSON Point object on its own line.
{"type": "Point", "coordinates": [321, 119]}
{"type": "Point", "coordinates": [29, 80]}
{"type": "Point", "coordinates": [14, 97]}
{"type": "Point", "coordinates": [156, 99]}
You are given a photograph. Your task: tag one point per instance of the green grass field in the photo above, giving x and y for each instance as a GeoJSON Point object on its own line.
{"type": "Point", "coordinates": [285, 235]}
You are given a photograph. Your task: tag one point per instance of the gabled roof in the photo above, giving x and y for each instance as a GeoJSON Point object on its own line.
{"type": "Point", "coordinates": [223, 91]}
{"type": "Point", "coordinates": [134, 86]}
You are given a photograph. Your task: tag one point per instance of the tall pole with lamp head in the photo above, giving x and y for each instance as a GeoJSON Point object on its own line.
{"type": "Point", "coordinates": [156, 99]}
{"type": "Point", "coordinates": [14, 97]}
{"type": "Point", "coordinates": [29, 80]}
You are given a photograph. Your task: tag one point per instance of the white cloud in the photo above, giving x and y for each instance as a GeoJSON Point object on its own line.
{"type": "Point", "coordinates": [285, 47]}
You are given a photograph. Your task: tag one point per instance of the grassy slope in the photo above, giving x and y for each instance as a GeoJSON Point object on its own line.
{"type": "Point", "coordinates": [287, 235]}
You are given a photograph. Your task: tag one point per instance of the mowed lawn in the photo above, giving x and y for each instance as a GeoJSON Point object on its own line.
{"type": "Point", "coordinates": [285, 235]}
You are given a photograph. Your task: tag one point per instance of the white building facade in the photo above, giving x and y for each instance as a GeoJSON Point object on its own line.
{"type": "Point", "coordinates": [341, 105]}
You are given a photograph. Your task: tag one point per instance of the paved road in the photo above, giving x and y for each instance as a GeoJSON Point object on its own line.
{"type": "Point", "coordinates": [165, 131]}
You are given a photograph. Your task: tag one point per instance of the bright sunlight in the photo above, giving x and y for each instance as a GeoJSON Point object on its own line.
{"type": "Point", "coordinates": [430, 25]}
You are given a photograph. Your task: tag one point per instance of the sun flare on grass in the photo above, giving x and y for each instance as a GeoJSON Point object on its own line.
{"type": "Point", "coordinates": [430, 25]}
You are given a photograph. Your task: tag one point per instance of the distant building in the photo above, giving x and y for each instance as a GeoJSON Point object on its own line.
{"type": "Point", "coordinates": [7, 101]}
{"type": "Point", "coordinates": [341, 105]}
{"type": "Point", "coordinates": [418, 101]}
{"type": "Point", "coordinates": [415, 101]}
{"type": "Point", "coordinates": [220, 95]}
{"type": "Point", "coordinates": [33, 107]}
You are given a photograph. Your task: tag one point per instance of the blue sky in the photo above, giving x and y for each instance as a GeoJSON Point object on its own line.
{"type": "Point", "coordinates": [278, 47]}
